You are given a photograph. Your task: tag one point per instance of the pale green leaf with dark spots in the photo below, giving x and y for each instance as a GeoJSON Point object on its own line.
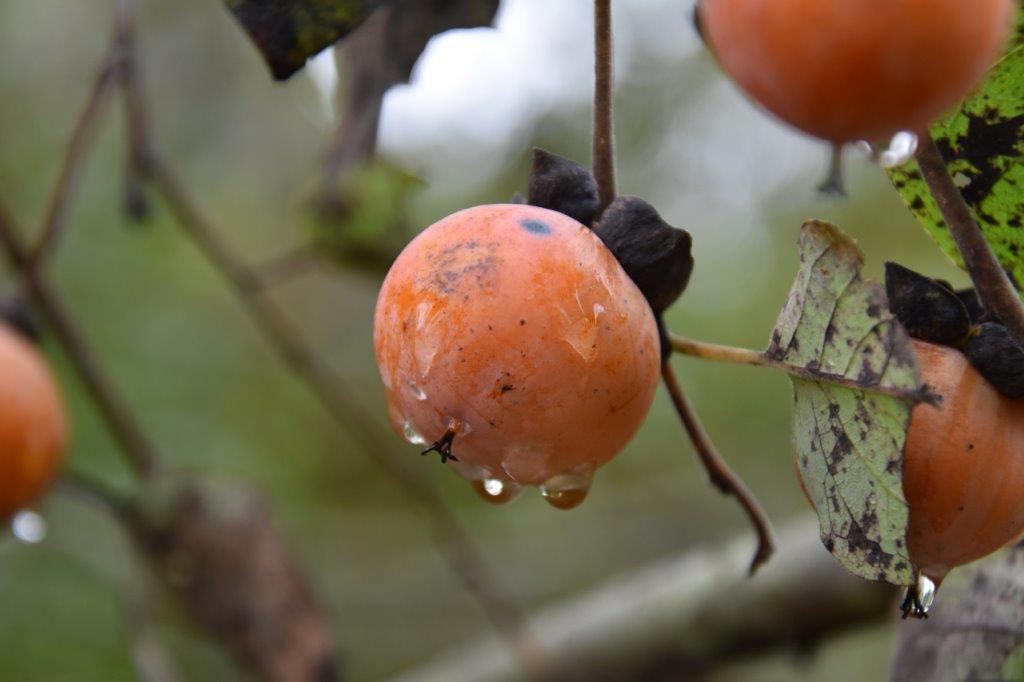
{"type": "Point", "coordinates": [983, 144]}
{"type": "Point", "coordinates": [856, 385]}
{"type": "Point", "coordinates": [288, 32]}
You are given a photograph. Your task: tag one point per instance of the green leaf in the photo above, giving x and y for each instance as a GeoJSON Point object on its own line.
{"type": "Point", "coordinates": [367, 223]}
{"type": "Point", "coordinates": [983, 144]}
{"type": "Point", "coordinates": [288, 32]}
{"type": "Point", "coordinates": [855, 383]}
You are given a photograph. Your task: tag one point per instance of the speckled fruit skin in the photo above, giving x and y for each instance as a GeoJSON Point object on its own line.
{"type": "Point", "coordinates": [33, 431]}
{"type": "Point", "coordinates": [846, 70]}
{"type": "Point", "coordinates": [963, 473]}
{"type": "Point", "coordinates": [517, 321]}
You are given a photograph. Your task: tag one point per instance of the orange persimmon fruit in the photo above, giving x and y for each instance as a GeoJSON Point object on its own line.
{"type": "Point", "coordinates": [963, 467]}
{"type": "Point", "coordinates": [845, 70]}
{"type": "Point", "coordinates": [511, 334]}
{"type": "Point", "coordinates": [33, 430]}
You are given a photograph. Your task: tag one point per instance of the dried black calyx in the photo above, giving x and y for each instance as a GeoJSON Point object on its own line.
{"type": "Point", "coordinates": [929, 310]}
{"type": "Point", "coordinates": [562, 185]}
{"type": "Point", "coordinates": [997, 357]}
{"type": "Point", "coordinates": [932, 311]}
{"type": "Point", "coordinates": [18, 314]}
{"type": "Point", "coordinates": [653, 253]}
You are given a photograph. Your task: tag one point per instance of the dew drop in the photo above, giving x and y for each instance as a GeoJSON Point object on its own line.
{"type": "Point", "coordinates": [497, 491]}
{"type": "Point", "coordinates": [900, 150]}
{"type": "Point", "coordinates": [28, 527]}
{"type": "Point", "coordinates": [412, 435]}
{"type": "Point", "coordinates": [566, 491]}
{"type": "Point", "coordinates": [417, 391]}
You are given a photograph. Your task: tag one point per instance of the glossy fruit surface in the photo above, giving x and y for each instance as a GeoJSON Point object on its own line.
{"type": "Point", "coordinates": [33, 431]}
{"type": "Point", "coordinates": [516, 326]}
{"type": "Point", "coordinates": [963, 466]}
{"type": "Point", "coordinates": [846, 70]}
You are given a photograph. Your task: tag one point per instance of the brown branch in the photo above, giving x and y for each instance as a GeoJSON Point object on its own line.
{"type": "Point", "coordinates": [722, 477]}
{"type": "Point", "coordinates": [604, 130]}
{"type": "Point", "coordinates": [282, 269]}
{"type": "Point", "coordinates": [458, 548]}
{"type": "Point", "coordinates": [688, 614]}
{"type": "Point", "coordinates": [138, 450]}
{"type": "Point", "coordinates": [991, 282]}
{"type": "Point", "coordinates": [74, 157]}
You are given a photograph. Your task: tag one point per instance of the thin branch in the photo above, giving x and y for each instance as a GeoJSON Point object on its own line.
{"type": "Point", "coordinates": [74, 157]}
{"type": "Point", "coordinates": [138, 450]}
{"type": "Point", "coordinates": [689, 614]}
{"type": "Point", "coordinates": [724, 478]}
{"type": "Point", "coordinates": [991, 282]}
{"type": "Point", "coordinates": [604, 129]}
{"type": "Point", "coordinates": [286, 267]}
{"type": "Point", "coordinates": [744, 356]}
{"type": "Point", "coordinates": [458, 548]}
{"type": "Point", "coordinates": [97, 494]}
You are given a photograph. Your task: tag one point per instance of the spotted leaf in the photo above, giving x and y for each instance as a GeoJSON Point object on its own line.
{"type": "Point", "coordinates": [855, 383]}
{"type": "Point", "coordinates": [288, 32]}
{"type": "Point", "coordinates": [983, 144]}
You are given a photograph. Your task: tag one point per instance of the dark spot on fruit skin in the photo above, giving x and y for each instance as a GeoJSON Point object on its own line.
{"type": "Point", "coordinates": [522, 322]}
{"type": "Point", "coordinates": [830, 544]}
{"type": "Point", "coordinates": [505, 388]}
{"type": "Point", "coordinates": [535, 226]}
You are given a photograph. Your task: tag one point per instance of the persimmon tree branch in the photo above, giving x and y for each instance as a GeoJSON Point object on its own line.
{"type": "Point", "coordinates": [991, 282]}
{"type": "Point", "coordinates": [604, 133]}
{"type": "Point", "coordinates": [722, 477]}
{"type": "Point", "coordinates": [689, 614]}
{"type": "Point", "coordinates": [75, 154]}
{"type": "Point", "coordinates": [139, 452]}
{"type": "Point", "coordinates": [463, 557]}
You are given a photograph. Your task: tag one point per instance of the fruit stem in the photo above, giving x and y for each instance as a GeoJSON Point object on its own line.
{"type": "Point", "coordinates": [721, 476]}
{"type": "Point", "coordinates": [744, 356]}
{"type": "Point", "coordinates": [991, 282]}
{"type": "Point", "coordinates": [604, 133]}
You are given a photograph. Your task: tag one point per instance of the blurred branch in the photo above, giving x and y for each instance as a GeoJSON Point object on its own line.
{"type": "Point", "coordinates": [722, 477]}
{"type": "Point", "coordinates": [282, 269]}
{"type": "Point", "coordinates": [459, 550]}
{"type": "Point", "coordinates": [991, 282]}
{"type": "Point", "coordinates": [604, 83]}
{"type": "Point", "coordinates": [121, 421]}
{"type": "Point", "coordinates": [463, 557]}
{"type": "Point", "coordinates": [75, 154]}
{"type": "Point", "coordinates": [695, 612]}
{"type": "Point", "coordinates": [974, 631]}
{"type": "Point", "coordinates": [379, 55]}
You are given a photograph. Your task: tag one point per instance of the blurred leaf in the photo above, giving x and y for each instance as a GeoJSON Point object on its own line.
{"type": "Point", "coordinates": [366, 223]}
{"type": "Point", "coordinates": [983, 144]}
{"type": "Point", "coordinates": [849, 435]}
{"type": "Point", "coordinates": [974, 633]}
{"type": "Point", "coordinates": [288, 32]}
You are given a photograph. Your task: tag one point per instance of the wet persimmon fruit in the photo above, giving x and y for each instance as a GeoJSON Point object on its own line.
{"type": "Point", "coordinates": [33, 430]}
{"type": "Point", "coordinates": [510, 336]}
{"type": "Point", "coordinates": [963, 467]}
{"type": "Point", "coordinates": [845, 70]}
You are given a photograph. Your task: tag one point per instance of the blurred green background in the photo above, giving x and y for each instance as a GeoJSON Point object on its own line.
{"type": "Point", "coordinates": [217, 400]}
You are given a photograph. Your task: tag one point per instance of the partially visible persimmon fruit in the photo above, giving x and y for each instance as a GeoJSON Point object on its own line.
{"type": "Point", "coordinates": [511, 336]}
{"type": "Point", "coordinates": [33, 432]}
{"type": "Point", "coordinates": [963, 469]}
{"type": "Point", "coordinates": [846, 70]}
